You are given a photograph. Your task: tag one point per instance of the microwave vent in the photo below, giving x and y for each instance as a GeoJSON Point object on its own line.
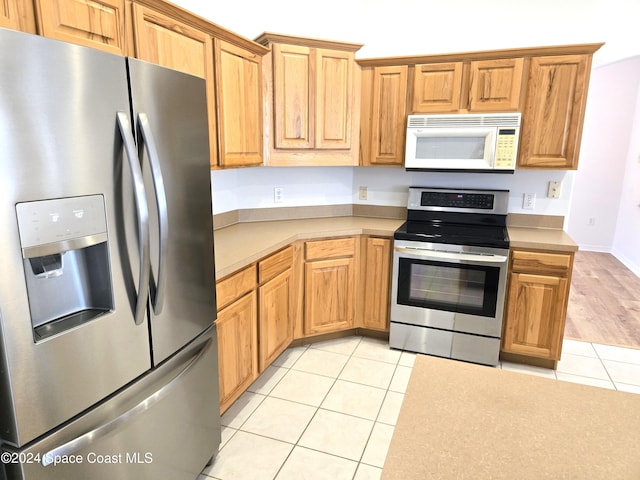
{"type": "Point", "coordinates": [465, 120]}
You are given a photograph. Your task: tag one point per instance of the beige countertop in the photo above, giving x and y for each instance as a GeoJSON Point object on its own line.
{"type": "Point", "coordinates": [465, 421]}
{"type": "Point", "coordinates": [244, 243]}
{"type": "Point", "coordinates": [541, 238]}
{"type": "Point", "coordinates": [241, 244]}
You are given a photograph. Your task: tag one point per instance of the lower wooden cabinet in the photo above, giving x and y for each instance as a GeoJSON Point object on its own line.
{"type": "Point", "coordinates": [275, 306]}
{"type": "Point", "coordinates": [317, 283]}
{"type": "Point", "coordinates": [329, 285]}
{"type": "Point", "coordinates": [377, 283]}
{"type": "Point", "coordinates": [536, 304]}
{"type": "Point", "coordinates": [237, 329]}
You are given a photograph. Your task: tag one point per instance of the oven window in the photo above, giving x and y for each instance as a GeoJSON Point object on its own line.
{"type": "Point", "coordinates": [451, 287]}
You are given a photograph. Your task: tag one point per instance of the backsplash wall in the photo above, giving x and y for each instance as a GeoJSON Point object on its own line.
{"type": "Point", "coordinates": [304, 186]}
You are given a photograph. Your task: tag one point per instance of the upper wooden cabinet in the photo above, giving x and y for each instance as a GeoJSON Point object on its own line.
{"type": "Point", "coordinates": [93, 23]}
{"type": "Point", "coordinates": [554, 112]}
{"type": "Point", "coordinates": [383, 115]}
{"type": "Point", "coordinates": [163, 40]}
{"type": "Point", "coordinates": [231, 65]}
{"type": "Point", "coordinates": [239, 105]}
{"type": "Point", "coordinates": [17, 15]}
{"type": "Point", "coordinates": [476, 86]}
{"type": "Point", "coordinates": [311, 106]}
{"type": "Point", "coordinates": [495, 85]}
{"type": "Point", "coordinates": [437, 87]}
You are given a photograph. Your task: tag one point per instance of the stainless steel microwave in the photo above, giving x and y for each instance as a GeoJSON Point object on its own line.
{"type": "Point", "coordinates": [485, 142]}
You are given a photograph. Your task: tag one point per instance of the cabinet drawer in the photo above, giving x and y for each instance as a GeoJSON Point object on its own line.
{"type": "Point", "coordinates": [541, 262]}
{"type": "Point", "coordinates": [321, 249]}
{"type": "Point", "coordinates": [275, 264]}
{"type": "Point", "coordinates": [236, 285]}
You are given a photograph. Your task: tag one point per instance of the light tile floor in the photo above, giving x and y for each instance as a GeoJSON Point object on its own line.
{"type": "Point", "coordinates": [328, 410]}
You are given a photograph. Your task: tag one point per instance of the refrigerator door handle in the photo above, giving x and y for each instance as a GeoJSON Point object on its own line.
{"type": "Point", "coordinates": [143, 216]}
{"type": "Point", "coordinates": [90, 437]}
{"type": "Point", "coordinates": [157, 300]}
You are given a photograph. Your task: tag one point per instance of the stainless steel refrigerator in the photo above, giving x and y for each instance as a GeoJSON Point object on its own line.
{"type": "Point", "coordinates": [108, 356]}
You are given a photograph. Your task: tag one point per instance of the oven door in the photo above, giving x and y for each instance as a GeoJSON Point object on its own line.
{"type": "Point", "coordinates": [449, 287]}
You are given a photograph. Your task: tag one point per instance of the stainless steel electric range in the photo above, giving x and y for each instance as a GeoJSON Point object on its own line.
{"type": "Point", "coordinates": [449, 274]}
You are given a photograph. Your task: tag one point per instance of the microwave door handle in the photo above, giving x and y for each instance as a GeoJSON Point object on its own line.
{"type": "Point", "coordinates": [440, 255]}
{"type": "Point", "coordinates": [143, 215]}
{"type": "Point", "coordinates": [158, 295]}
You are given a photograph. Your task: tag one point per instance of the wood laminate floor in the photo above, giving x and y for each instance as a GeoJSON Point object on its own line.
{"type": "Point", "coordinates": [604, 304]}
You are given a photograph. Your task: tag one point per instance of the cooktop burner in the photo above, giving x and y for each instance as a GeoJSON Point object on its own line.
{"type": "Point", "coordinates": [457, 217]}
{"type": "Point", "coordinates": [457, 234]}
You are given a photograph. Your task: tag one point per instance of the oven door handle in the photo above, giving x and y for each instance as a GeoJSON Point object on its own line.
{"type": "Point", "coordinates": [439, 254]}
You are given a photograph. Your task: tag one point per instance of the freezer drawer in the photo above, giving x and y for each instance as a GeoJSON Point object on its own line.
{"type": "Point", "coordinates": [164, 426]}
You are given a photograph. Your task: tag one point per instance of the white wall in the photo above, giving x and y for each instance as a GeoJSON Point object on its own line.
{"type": "Point", "coordinates": [626, 244]}
{"type": "Point", "coordinates": [253, 187]}
{"type": "Point", "coordinates": [609, 115]}
{"type": "Point", "coordinates": [407, 27]}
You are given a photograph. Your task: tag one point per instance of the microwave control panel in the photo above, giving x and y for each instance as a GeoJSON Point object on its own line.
{"type": "Point", "coordinates": [506, 147]}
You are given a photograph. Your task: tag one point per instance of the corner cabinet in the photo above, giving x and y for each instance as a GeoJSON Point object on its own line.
{"type": "Point", "coordinates": [536, 305]}
{"type": "Point", "coordinates": [311, 106]}
{"type": "Point", "coordinates": [554, 112]}
{"type": "Point", "coordinates": [330, 285]}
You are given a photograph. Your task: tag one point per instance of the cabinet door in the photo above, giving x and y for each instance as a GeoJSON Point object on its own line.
{"type": "Point", "coordinates": [495, 85]}
{"type": "Point", "coordinates": [334, 99]}
{"type": "Point", "coordinates": [276, 327]}
{"type": "Point", "coordinates": [388, 116]}
{"type": "Point", "coordinates": [377, 283]}
{"type": "Point", "coordinates": [17, 15]}
{"type": "Point", "coordinates": [535, 315]}
{"type": "Point", "coordinates": [554, 112]}
{"type": "Point", "coordinates": [239, 105]}
{"type": "Point", "coordinates": [329, 297]}
{"type": "Point", "coordinates": [165, 41]}
{"type": "Point", "coordinates": [93, 23]}
{"type": "Point", "coordinates": [437, 87]}
{"type": "Point", "coordinates": [237, 348]}
{"type": "Point", "coordinates": [294, 101]}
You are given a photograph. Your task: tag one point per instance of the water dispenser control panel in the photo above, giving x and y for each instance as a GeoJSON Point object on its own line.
{"type": "Point", "coordinates": [52, 221]}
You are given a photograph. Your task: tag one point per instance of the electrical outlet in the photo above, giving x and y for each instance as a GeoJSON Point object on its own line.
{"type": "Point", "coordinates": [363, 193]}
{"type": "Point", "coordinates": [278, 193]}
{"type": "Point", "coordinates": [554, 189]}
{"type": "Point", "coordinates": [529, 201]}
{"type": "Point", "coordinates": [591, 221]}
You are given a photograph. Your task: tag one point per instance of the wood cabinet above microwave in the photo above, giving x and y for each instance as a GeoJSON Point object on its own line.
{"type": "Point", "coordinates": [476, 86]}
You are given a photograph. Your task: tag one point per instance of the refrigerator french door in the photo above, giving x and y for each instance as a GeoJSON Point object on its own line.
{"type": "Point", "coordinates": [107, 298]}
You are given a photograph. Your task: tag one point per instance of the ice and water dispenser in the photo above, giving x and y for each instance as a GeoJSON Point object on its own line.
{"type": "Point", "coordinates": [66, 262]}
